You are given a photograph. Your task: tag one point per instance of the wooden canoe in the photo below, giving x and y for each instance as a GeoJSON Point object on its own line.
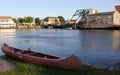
{"type": "Point", "coordinates": [71, 62]}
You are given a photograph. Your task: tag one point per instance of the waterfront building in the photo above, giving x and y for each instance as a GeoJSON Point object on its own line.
{"type": "Point", "coordinates": [6, 21]}
{"type": "Point", "coordinates": [51, 21]}
{"type": "Point", "coordinates": [102, 20]}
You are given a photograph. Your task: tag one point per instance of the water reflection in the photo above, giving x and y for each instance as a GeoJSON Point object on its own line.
{"type": "Point", "coordinates": [116, 40]}
{"type": "Point", "coordinates": [91, 46]}
{"type": "Point", "coordinates": [99, 46]}
{"type": "Point", "coordinates": [7, 35]}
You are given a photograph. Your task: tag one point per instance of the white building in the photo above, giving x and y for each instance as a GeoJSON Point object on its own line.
{"type": "Point", "coordinates": [104, 18]}
{"type": "Point", "coordinates": [93, 11]}
{"type": "Point", "coordinates": [6, 21]}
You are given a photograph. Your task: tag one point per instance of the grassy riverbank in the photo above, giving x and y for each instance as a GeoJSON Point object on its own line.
{"type": "Point", "coordinates": [31, 69]}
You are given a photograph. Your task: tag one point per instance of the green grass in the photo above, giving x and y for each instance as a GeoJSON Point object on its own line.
{"type": "Point", "coordinates": [24, 68]}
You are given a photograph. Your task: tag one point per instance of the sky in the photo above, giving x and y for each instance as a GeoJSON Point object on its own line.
{"type": "Point", "coordinates": [52, 8]}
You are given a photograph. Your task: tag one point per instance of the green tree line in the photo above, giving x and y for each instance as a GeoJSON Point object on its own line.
{"type": "Point", "coordinates": [30, 19]}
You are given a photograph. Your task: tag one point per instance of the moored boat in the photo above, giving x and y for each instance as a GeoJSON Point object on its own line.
{"type": "Point", "coordinates": [71, 62]}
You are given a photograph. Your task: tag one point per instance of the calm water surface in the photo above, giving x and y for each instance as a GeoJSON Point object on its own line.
{"type": "Point", "coordinates": [91, 46]}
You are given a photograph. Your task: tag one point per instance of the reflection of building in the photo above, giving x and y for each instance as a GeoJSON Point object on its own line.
{"type": "Point", "coordinates": [51, 20]}
{"type": "Point", "coordinates": [116, 40]}
{"type": "Point", "coordinates": [7, 35]}
{"type": "Point", "coordinates": [6, 21]}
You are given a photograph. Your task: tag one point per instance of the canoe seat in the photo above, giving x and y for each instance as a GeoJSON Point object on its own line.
{"type": "Point", "coordinates": [12, 49]}
{"type": "Point", "coordinates": [45, 57]}
{"type": "Point", "coordinates": [30, 53]}
{"type": "Point", "coordinates": [21, 52]}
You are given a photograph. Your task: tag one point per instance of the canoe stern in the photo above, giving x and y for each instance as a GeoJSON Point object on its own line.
{"type": "Point", "coordinates": [72, 62]}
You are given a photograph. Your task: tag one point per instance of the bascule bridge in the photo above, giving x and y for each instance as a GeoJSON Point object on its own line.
{"type": "Point", "coordinates": [79, 17]}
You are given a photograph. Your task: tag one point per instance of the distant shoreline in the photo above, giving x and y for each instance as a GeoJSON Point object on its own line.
{"type": "Point", "coordinates": [59, 27]}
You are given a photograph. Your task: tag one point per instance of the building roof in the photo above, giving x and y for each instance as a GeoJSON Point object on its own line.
{"type": "Point", "coordinates": [5, 17]}
{"type": "Point", "coordinates": [103, 13]}
{"type": "Point", "coordinates": [50, 18]}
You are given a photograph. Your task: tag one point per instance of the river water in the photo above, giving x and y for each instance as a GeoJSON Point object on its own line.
{"type": "Point", "coordinates": [101, 47]}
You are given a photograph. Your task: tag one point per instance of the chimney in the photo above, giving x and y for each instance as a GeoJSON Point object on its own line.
{"type": "Point", "coordinates": [117, 8]}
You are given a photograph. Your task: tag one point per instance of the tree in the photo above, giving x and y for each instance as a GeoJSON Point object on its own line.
{"type": "Point", "coordinates": [29, 19]}
{"type": "Point", "coordinates": [61, 18]}
{"type": "Point", "coordinates": [15, 20]}
{"type": "Point", "coordinates": [21, 20]}
{"type": "Point", "coordinates": [37, 21]}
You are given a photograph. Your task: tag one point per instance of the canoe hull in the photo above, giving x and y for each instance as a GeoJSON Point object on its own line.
{"type": "Point", "coordinates": [71, 62]}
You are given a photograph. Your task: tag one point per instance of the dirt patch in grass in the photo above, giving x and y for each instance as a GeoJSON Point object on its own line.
{"type": "Point", "coordinates": [6, 65]}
